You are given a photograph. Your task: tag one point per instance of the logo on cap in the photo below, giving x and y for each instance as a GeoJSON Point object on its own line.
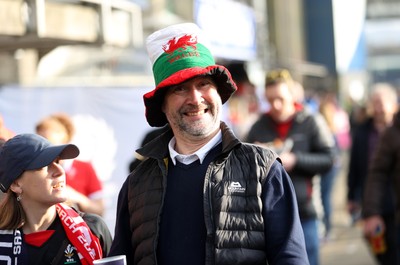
{"type": "Point", "coordinates": [181, 45]}
{"type": "Point", "coordinates": [181, 42]}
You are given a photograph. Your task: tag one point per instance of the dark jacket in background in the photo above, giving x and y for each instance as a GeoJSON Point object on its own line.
{"type": "Point", "coordinates": [384, 173]}
{"type": "Point", "coordinates": [359, 161]}
{"type": "Point", "coordinates": [361, 154]}
{"type": "Point", "coordinates": [313, 145]}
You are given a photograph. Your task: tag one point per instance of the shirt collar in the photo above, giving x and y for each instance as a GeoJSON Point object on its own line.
{"type": "Point", "coordinates": [199, 154]}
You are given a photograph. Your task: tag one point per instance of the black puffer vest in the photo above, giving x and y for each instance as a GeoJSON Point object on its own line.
{"type": "Point", "coordinates": [232, 201]}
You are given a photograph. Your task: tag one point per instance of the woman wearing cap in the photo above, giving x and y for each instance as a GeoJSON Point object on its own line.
{"type": "Point", "coordinates": [36, 227]}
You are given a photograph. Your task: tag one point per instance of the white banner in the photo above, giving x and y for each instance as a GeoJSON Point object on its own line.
{"type": "Point", "coordinates": [230, 26]}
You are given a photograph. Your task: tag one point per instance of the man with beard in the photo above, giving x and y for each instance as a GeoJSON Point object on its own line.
{"type": "Point", "coordinates": [202, 196]}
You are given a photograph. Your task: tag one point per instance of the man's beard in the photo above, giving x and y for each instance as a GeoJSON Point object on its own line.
{"type": "Point", "coordinates": [202, 127]}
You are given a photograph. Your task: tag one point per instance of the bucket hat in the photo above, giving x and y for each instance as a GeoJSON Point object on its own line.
{"type": "Point", "coordinates": [27, 152]}
{"type": "Point", "coordinates": [179, 53]}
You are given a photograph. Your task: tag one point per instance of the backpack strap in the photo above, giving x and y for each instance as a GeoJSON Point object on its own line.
{"type": "Point", "coordinates": [60, 253]}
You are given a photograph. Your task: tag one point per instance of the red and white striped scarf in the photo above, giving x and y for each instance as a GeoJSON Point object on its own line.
{"type": "Point", "coordinates": [87, 245]}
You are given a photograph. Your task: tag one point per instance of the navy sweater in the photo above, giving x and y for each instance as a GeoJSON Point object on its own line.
{"type": "Point", "coordinates": [182, 228]}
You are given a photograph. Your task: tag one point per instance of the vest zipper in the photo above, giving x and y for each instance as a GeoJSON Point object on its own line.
{"type": "Point", "coordinates": [210, 255]}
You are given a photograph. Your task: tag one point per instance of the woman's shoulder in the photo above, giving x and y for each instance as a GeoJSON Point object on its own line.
{"type": "Point", "coordinates": [99, 228]}
{"type": "Point", "coordinates": [93, 220]}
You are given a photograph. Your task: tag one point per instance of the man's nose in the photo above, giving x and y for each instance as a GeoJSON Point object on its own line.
{"type": "Point", "coordinates": [195, 95]}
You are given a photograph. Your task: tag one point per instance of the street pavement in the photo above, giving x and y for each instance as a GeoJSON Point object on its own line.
{"type": "Point", "coordinates": [346, 245]}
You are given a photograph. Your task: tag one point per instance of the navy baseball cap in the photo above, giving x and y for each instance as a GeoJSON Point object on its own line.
{"type": "Point", "coordinates": [27, 152]}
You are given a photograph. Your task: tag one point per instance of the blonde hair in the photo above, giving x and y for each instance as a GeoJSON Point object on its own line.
{"type": "Point", "coordinates": [278, 76]}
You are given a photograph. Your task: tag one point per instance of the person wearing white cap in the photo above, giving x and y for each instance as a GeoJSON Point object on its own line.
{"type": "Point", "coordinates": [201, 196]}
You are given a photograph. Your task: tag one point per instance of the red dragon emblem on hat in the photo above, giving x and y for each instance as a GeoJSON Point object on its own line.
{"type": "Point", "coordinates": [181, 42]}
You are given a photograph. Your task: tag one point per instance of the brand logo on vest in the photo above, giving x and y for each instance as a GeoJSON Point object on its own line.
{"type": "Point", "coordinates": [236, 187]}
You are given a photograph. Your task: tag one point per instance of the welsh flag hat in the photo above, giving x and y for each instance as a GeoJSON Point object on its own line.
{"type": "Point", "coordinates": [178, 53]}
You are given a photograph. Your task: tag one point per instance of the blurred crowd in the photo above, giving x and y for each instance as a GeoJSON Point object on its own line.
{"type": "Point", "coordinates": [362, 131]}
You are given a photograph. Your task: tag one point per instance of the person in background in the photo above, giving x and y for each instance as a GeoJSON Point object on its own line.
{"type": "Point", "coordinates": [243, 105]}
{"type": "Point", "coordinates": [202, 196]}
{"type": "Point", "coordinates": [84, 187]}
{"type": "Point", "coordinates": [154, 133]}
{"type": "Point", "coordinates": [2, 141]}
{"type": "Point", "coordinates": [383, 184]}
{"type": "Point", "coordinates": [5, 133]}
{"type": "Point", "coordinates": [303, 142]}
{"type": "Point", "coordinates": [36, 227]}
{"type": "Point", "coordinates": [382, 107]}
{"type": "Point", "coordinates": [339, 124]}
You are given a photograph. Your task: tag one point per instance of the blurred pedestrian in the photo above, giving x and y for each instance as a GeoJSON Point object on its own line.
{"type": "Point", "coordinates": [303, 142]}
{"type": "Point", "coordinates": [36, 227]}
{"type": "Point", "coordinates": [382, 183]}
{"type": "Point", "coordinates": [5, 133]}
{"type": "Point", "coordinates": [2, 141]}
{"type": "Point", "coordinates": [339, 124]}
{"type": "Point", "coordinates": [84, 186]}
{"type": "Point", "coordinates": [243, 105]}
{"type": "Point", "coordinates": [202, 196]}
{"type": "Point", "coordinates": [151, 135]}
{"type": "Point", "coordinates": [381, 106]}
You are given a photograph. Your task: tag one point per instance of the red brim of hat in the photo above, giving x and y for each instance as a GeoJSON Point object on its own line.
{"type": "Point", "coordinates": [153, 100]}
